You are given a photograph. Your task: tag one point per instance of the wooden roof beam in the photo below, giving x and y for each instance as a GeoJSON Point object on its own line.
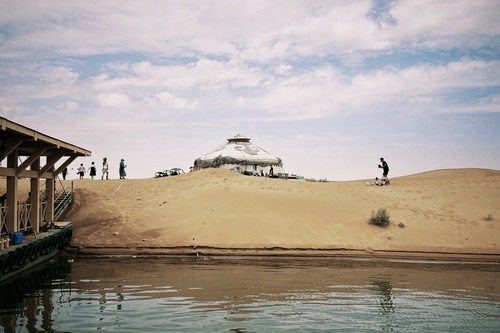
{"type": "Point", "coordinates": [30, 160]}
{"type": "Point", "coordinates": [9, 147]}
{"type": "Point", "coordinates": [65, 164]}
{"type": "Point", "coordinates": [49, 165]}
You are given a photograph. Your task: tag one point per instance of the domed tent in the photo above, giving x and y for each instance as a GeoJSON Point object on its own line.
{"type": "Point", "coordinates": [242, 155]}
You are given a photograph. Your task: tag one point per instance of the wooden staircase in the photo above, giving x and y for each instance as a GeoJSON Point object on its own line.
{"type": "Point", "coordinates": [62, 203]}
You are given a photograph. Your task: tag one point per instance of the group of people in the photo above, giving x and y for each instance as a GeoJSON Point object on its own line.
{"type": "Point", "coordinates": [93, 170]}
{"type": "Point", "coordinates": [105, 171]}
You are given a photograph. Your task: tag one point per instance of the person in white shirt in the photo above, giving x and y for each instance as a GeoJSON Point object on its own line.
{"type": "Point", "coordinates": [81, 171]}
{"type": "Point", "coordinates": [104, 168]}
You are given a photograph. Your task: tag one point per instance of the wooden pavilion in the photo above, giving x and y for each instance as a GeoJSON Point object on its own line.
{"type": "Point", "coordinates": [26, 153]}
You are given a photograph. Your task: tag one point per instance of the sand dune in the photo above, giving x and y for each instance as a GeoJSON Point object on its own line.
{"type": "Point", "coordinates": [438, 213]}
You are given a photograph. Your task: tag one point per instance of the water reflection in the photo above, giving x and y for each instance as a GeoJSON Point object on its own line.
{"type": "Point", "coordinates": [384, 289]}
{"type": "Point", "coordinates": [30, 296]}
{"type": "Point", "coordinates": [125, 294]}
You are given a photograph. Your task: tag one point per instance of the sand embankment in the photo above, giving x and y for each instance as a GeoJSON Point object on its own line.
{"type": "Point", "coordinates": [437, 214]}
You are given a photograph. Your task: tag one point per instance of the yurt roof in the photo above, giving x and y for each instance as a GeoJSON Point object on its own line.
{"type": "Point", "coordinates": [237, 150]}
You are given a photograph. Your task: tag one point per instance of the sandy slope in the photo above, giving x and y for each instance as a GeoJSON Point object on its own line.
{"type": "Point", "coordinates": [217, 211]}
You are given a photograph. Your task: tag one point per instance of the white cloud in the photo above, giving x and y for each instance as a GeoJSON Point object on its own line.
{"type": "Point", "coordinates": [59, 74]}
{"type": "Point", "coordinates": [283, 69]}
{"type": "Point", "coordinates": [251, 30]}
{"type": "Point", "coordinates": [450, 17]}
{"type": "Point", "coordinates": [114, 100]}
{"type": "Point", "coordinates": [324, 91]}
{"type": "Point", "coordinates": [168, 100]}
{"type": "Point", "coordinates": [68, 106]}
{"type": "Point", "coordinates": [424, 80]}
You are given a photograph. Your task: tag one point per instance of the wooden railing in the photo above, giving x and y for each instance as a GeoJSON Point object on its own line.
{"type": "Point", "coordinates": [62, 202]}
{"type": "Point", "coordinates": [3, 220]}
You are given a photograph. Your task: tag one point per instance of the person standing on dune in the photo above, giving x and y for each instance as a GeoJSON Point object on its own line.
{"type": "Point", "coordinates": [123, 174]}
{"type": "Point", "coordinates": [81, 171]}
{"type": "Point", "coordinates": [104, 168]}
{"type": "Point", "coordinates": [93, 171]}
{"type": "Point", "coordinates": [384, 166]}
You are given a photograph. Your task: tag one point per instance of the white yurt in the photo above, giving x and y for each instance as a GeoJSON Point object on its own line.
{"type": "Point", "coordinates": [241, 155]}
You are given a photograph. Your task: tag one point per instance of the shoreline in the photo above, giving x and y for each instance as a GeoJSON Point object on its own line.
{"type": "Point", "coordinates": [280, 253]}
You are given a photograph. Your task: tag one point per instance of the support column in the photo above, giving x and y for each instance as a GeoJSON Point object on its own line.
{"type": "Point", "coordinates": [12, 216]}
{"type": "Point", "coordinates": [35, 198]}
{"type": "Point", "coordinates": [49, 193]}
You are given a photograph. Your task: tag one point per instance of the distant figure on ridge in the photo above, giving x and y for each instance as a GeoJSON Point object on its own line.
{"type": "Point", "coordinates": [104, 168]}
{"type": "Point", "coordinates": [384, 166]}
{"type": "Point", "coordinates": [93, 171]}
{"type": "Point", "coordinates": [80, 171]}
{"type": "Point", "coordinates": [384, 180]}
{"type": "Point", "coordinates": [123, 174]}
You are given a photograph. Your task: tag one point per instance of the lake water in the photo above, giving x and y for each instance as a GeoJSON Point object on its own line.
{"type": "Point", "coordinates": [88, 294]}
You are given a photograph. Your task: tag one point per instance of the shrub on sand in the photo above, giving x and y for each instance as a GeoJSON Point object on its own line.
{"type": "Point", "coordinates": [380, 218]}
{"type": "Point", "coordinates": [488, 217]}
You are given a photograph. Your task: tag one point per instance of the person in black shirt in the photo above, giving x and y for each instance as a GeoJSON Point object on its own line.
{"type": "Point", "coordinates": [384, 166]}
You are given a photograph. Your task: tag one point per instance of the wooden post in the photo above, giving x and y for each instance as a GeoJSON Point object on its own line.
{"type": "Point", "coordinates": [12, 216]}
{"type": "Point", "coordinates": [35, 198]}
{"type": "Point", "coordinates": [49, 193]}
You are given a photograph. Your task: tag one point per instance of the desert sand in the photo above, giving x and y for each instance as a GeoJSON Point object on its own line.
{"type": "Point", "coordinates": [451, 213]}
{"type": "Point", "coordinates": [434, 215]}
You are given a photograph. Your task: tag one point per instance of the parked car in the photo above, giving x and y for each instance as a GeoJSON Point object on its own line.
{"type": "Point", "coordinates": [160, 174]}
{"type": "Point", "coordinates": [176, 171]}
{"type": "Point", "coordinates": [167, 173]}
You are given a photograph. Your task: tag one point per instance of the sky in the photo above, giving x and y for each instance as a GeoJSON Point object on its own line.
{"type": "Point", "coordinates": [327, 86]}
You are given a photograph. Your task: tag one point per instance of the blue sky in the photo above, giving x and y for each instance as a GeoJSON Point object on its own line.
{"type": "Point", "coordinates": [327, 86]}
